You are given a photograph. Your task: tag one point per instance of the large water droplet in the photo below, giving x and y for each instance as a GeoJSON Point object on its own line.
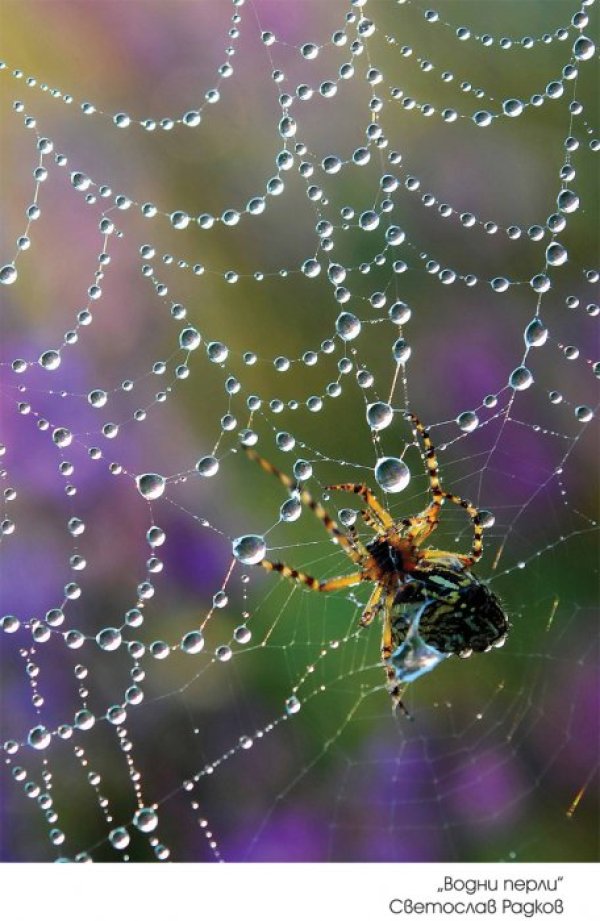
{"type": "Point", "coordinates": [287, 127]}
{"type": "Point", "coordinates": [97, 398]}
{"type": "Point", "coordinates": [146, 820]}
{"type": "Point", "coordinates": [392, 474]}
{"type": "Point", "coordinates": [8, 274]}
{"type": "Point", "coordinates": [151, 485]}
{"type": "Point", "coordinates": [467, 421]}
{"type": "Point", "coordinates": [512, 107]}
{"type": "Point", "coordinates": [556, 254]}
{"type": "Point", "coordinates": [347, 326]}
{"type": "Point", "coordinates": [402, 351]}
{"type": "Point", "coordinates": [189, 338]}
{"type": "Point", "coordinates": [369, 220]}
{"type": "Point", "coordinates": [584, 413]}
{"type": "Point", "coordinates": [50, 360]}
{"type": "Point", "coordinates": [242, 635]}
{"type": "Point", "coordinates": [208, 465]}
{"type": "Point", "coordinates": [536, 333]}
{"type": "Point", "coordinates": [379, 415]}
{"type": "Point", "coordinates": [521, 378]}
{"type": "Point", "coordinates": [249, 549]}
{"type": "Point", "coordinates": [567, 201]}
{"type": "Point", "coordinates": [39, 737]}
{"type": "Point", "coordinates": [119, 838]}
{"type": "Point", "coordinates": [192, 642]}
{"type": "Point", "coordinates": [290, 509]}
{"type": "Point", "coordinates": [583, 48]}
{"type": "Point", "coordinates": [109, 639]}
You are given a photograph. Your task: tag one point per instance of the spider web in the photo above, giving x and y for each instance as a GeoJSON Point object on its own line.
{"type": "Point", "coordinates": [244, 224]}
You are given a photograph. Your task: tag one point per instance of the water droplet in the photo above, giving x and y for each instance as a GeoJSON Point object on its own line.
{"type": "Point", "coordinates": [217, 352]}
{"type": "Point", "coordinates": [556, 254]}
{"type": "Point", "coordinates": [347, 326]}
{"type": "Point", "coordinates": [290, 509]}
{"type": "Point", "coordinates": [109, 639]}
{"type": "Point", "coordinates": [521, 378]}
{"type": "Point", "coordinates": [285, 441]}
{"type": "Point", "coordinates": [50, 360]}
{"type": "Point", "coordinates": [399, 313]}
{"type": "Point", "coordinates": [369, 220]}
{"type": "Point", "coordinates": [146, 820]}
{"type": "Point", "coordinates": [155, 536]}
{"type": "Point", "coordinates": [536, 333]}
{"type": "Point", "coordinates": [567, 201]}
{"type": "Point", "coordinates": [180, 220]}
{"type": "Point", "coordinates": [487, 519]}
{"type": "Point", "coordinates": [292, 705]}
{"type": "Point", "coordinates": [392, 474]}
{"type": "Point", "coordinates": [583, 48]}
{"type": "Point", "coordinates": [97, 398]}
{"type": "Point", "coordinates": [189, 338]}
{"type": "Point", "coordinates": [39, 737]}
{"type": "Point", "coordinates": [84, 720]}
{"type": "Point", "coordinates": [8, 274]}
{"type": "Point", "coordinates": [467, 421]}
{"type": "Point", "coordinates": [500, 284]}
{"type": "Point", "coordinates": [150, 485]}
{"type": "Point", "coordinates": [119, 838]}
{"type": "Point", "coordinates": [483, 118]}
{"type": "Point", "coordinates": [287, 127]}
{"type": "Point", "coordinates": [62, 437]}
{"type": "Point", "coordinates": [379, 415]}
{"type": "Point", "coordinates": [208, 465]}
{"type": "Point", "coordinates": [249, 549]}
{"type": "Point", "coordinates": [242, 634]}
{"type": "Point", "coordinates": [512, 107]}
{"type": "Point", "coordinates": [584, 413]}
{"type": "Point", "coordinates": [402, 351]}
{"type": "Point", "coordinates": [192, 642]}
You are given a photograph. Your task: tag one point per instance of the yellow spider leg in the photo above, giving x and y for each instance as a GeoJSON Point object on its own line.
{"type": "Point", "coordinates": [368, 615]}
{"type": "Point", "coordinates": [473, 513]}
{"type": "Point", "coordinates": [367, 496]}
{"type": "Point", "coordinates": [328, 585]}
{"type": "Point", "coordinates": [370, 519]}
{"type": "Point", "coordinates": [394, 689]}
{"type": "Point", "coordinates": [431, 466]}
{"type": "Point", "coordinates": [355, 551]}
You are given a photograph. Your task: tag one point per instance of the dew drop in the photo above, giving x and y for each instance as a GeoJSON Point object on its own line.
{"type": "Point", "coordinates": [556, 254]}
{"type": "Point", "coordinates": [379, 415]}
{"type": "Point", "coordinates": [347, 326]}
{"type": "Point", "coordinates": [392, 474]}
{"type": "Point", "coordinates": [208, 465]}
{"type": "Point", "coordinates": [487, 519]}
{"type": "Point", "coordinates": [401, 351]}
{"type": "Point", "coordinates": [39, 738]}
{"type": "Point", "coordinates": [97, 398]}
{"type": "Point", "coordinates": [249, 549]}
{"type": "Point", "coordinates": [180, 220]}
{"type": "Point", "coordinates": [369, 220]}
{"type": "Point", "coordinates": [536, 333]}
{"type": "Point", "coordinates": [151, 485]}
{"type": "Point", "coordinates": [512, 107]}
{"type": "Point", "coordinates": [567, 201]}
{"type": "Point", "coordinates": [145, 820]}
{"type": "Point", "coordinates": [290, 509]}
{"type": "Point", "coordinates": [242, 634]}
{"type": "Point", "coordinates": [467, 421]}
{"type": "Point", "coordinates": [292, 705]}
{"type": "Point", "coordinates": [189, 338]}
{"type": "Point", "coordinates": [8, 274]}
{"type": "Point", "coordinates": [583, 48]}
{"type": "Point", "coordinates": [483, 118]}
{"type": "Point", "coordinates": [192, 642]}
{"type": "Point", "coordinates": [109, 639]}
{"type": "Point", "coordinates": [119, 838]}
{"type": "Point", "coordinates": [287, 127]}
{"type": "Point", "coordinates": [521, 378]}
{"type": "Point", "coordinates": [50, 360]}
{"type": "Point", "coordinates": [584, 413]}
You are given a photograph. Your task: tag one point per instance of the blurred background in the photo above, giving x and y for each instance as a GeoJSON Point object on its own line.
{"type": "Point", "coordinates": [500, 762]}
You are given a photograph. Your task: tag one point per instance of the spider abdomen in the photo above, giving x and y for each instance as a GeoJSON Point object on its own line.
{"type": "Point", "coordinates": [458, 613]}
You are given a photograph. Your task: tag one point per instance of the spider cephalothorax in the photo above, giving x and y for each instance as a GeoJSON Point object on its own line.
{"type": "Point", "coordinates": [431, 603]}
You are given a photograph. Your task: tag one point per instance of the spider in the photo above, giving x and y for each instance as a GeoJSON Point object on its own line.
{"type": "Point", "coordinates": [431, 603]}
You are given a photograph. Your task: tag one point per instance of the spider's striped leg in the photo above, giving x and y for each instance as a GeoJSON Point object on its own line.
{"type": "Point", "coordinates": [474, 515]}
{"type": "Point", "coordinates": [370, 519]}
{"type": "Point", "coordinates": [327, 585]}
{"type": "Point", "coordinates": [354, 549]}
{"type": "Point", "coordinates": [384, 518]}
{"type": "Point", "coordinates": [393, 687]}
{"type": "Point", "coordinates": [431, 515]}
{"type": "Point", "coordinates": [368, 615]}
